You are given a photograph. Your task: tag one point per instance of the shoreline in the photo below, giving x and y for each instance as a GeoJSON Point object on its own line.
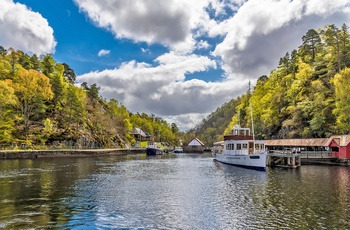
{"type": "Point", "coordinates": [56, 153]}
{"type": "Point", "coordinates": [32, 154]}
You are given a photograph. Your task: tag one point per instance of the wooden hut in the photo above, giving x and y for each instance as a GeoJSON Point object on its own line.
{"type": "Point", "coordinates": [194, 146]}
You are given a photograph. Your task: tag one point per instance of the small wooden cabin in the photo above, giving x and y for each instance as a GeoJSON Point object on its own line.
{"type": "Point", "coordinates": [194, 146]}
{"type": "Point", "coordinates": [140, 135]}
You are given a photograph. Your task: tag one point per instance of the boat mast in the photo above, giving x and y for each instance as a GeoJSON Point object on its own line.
{"type": "Point", "coordinates": [251, 115]}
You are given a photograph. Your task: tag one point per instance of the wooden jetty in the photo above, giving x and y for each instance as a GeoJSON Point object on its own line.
{"type": "Point", "coordinates": [283, 159]}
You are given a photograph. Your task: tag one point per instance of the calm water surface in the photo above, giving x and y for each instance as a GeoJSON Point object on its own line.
{"type": "Point", "coordinates": [169, 192]}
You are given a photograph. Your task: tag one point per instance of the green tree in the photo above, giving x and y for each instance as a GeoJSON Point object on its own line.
{"type": "Point", "coordinates": [32, 89]}
{"type": "Point", "coordinates": [47, 65]}
{"type": "Point", "coordinates": [74, 108]}
{"type": "Point", "coordinates": [342, 101]}
{"type": "Point", "coordinates": [311, 43]}
{"type": "Point", "coordinates": [8, 101]}
{"type": "Point", "coordinates": [331, 37]}
{"type": "Point", "coordinates": [69, 73]}
{"type": "Point", "coordinates": [59, 86]}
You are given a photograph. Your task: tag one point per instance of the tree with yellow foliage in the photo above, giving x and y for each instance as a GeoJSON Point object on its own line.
{"type": "Point", "coordinates": [32, 90]}
{"type": "Point", "coordinates": [342, 100]}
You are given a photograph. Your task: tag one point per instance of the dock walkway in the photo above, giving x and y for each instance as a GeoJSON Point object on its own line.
{"type": "Point", "coordinates": [282, 159]}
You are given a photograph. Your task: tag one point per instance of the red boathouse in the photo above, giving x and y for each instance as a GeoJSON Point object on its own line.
{"type": "Point", "coordinates": [335, 146]}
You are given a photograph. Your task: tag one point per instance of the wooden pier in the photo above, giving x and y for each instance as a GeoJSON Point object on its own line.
{"type": "Point", "coordinates": [282, 159]}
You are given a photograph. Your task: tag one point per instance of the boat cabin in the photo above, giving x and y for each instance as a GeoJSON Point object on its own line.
{"type": "Point", "coordinates": [240, 142]}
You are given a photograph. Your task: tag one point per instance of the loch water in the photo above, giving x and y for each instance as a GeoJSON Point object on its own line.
{"type": "Point", "coordinates": [182, 191]}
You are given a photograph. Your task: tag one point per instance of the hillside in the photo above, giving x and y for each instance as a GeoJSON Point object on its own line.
{"type": "Point", "coordinates": [307, 95]}
{"type": "Point", "coordinates": [40, 107]}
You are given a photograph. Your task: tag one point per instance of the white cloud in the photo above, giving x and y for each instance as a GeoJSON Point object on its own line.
{"type": "Point", "coordinates": [187, 121]}
{"type": "Point", "coordinates": [263, 31]}
{"type": "Point", "coordinates": [163, 89]}
{"type": "Point", "coordinates": [24, 29]}
{"type": "Point", "coordinates": [202, 45]}
{"type": "Point", "coordinates": [168, 22]}
{"type": "Point", "coordinates": [145, 50]}
{"type": "Point", "coordinates": [103, 52]}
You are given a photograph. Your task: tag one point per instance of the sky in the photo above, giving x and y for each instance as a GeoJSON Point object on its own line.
{"type": "Point", "coordinates": [176, 59]}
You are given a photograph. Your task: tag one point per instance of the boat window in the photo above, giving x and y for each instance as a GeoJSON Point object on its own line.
{"type": "Point", "coordinates": [254, 157]}
{"type": "Point", "coordinates": [239, 146]}
{"type": "Point", "coordinates": [245, 146]}
{"type": "Point", "coordinates": [257, 147]}
{"type": "Point", "coordinates": [230, 146]}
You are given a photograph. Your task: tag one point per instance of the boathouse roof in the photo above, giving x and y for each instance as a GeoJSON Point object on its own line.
{"type": "Point", "coordinates": [341, 140]}
{"type": "Point", "coordinates": [299, 142]}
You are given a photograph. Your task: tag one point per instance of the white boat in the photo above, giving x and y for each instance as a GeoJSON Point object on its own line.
{"type": "Point", "coordinates": [178, 150]}
{"type": "Point", "coordinates": [241, 149]}
{"type": "Point", "coordinates": [153, 149]}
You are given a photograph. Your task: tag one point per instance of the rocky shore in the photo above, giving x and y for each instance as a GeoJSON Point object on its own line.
{"type": "Point", "coordinates": [31, 154]}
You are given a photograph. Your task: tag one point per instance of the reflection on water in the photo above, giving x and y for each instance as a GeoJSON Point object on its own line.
{"type": "Point", "coordinates": [169, 192]}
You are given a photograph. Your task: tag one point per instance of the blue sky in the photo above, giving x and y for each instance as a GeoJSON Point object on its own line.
{"type": "Point", "coordinates": [177, 59]}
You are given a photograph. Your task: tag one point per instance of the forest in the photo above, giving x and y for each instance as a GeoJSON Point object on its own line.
{"type": "Point", "coordinates": [306, 96]}
{"type": "Point", "coordinates": [41, 107]}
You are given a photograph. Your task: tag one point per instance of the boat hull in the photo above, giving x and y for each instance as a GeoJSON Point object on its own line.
{"type": "Point", "coordinates": [253, 161]}
{"type": "Point", "coordinates": [153, 151]}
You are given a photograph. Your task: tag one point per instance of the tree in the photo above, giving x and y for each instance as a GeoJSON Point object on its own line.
{"type": "Point", "coordinates": [74, 109]}
{"type": "Point", "coordinates": [344, 38]}
{"type": "Point", "coordinates": [47, 65]}
{"type": "Point", "coordinates": [8, 100]}
{"type": "Point", "coordinates": [69, 73]}
{"type": "Point", "coordinates": [331, 37]}
{"type": "Point", "coordinates": [92, 91]}
{"type": "Point", "coordinates": [3, 51]}
{"type": "Point", "coordinates": [35, 63]}
{"type": "Point", "coordinates": [342, 101]}
{"type": "Point", "coordinates": [32, 89]}
{"type": "Point", "coordinates": [310, 43]}
{"type": "Point", "coordinates": [58, 86]}
{"type": "Point", "coordinates": [24, 60]}
{"type": "Point", "coordinates": [174, 128]}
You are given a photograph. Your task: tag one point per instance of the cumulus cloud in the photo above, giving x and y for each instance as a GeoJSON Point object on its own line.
{"type": "Point", "coordinates": [103, 52]}
{"type": "Point", "coordinates": [202, 45]}
{"type": "Point", "coordinates": [263, 31]}
{"type": "Point", "coordinates": [162, 89]}
{"type": "Point", "coordinates": [168, 22]}
{"type": "Point", "coordinates": [24, 29]}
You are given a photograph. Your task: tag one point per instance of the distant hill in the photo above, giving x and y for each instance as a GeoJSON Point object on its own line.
{"type": "Point", "coordinates": [211, 129]}
{"type": "Point", "coordinates": [307, 95]}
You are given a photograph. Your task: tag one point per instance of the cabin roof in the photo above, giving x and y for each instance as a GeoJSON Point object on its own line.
{"type": "Point", "coordinates": [195, 141]}
{"type": "Point", "coordinates": [139, 132]}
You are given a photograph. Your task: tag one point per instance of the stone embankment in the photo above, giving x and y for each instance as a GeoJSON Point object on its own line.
{"type": "Point", "coordinates": [31, 154]}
